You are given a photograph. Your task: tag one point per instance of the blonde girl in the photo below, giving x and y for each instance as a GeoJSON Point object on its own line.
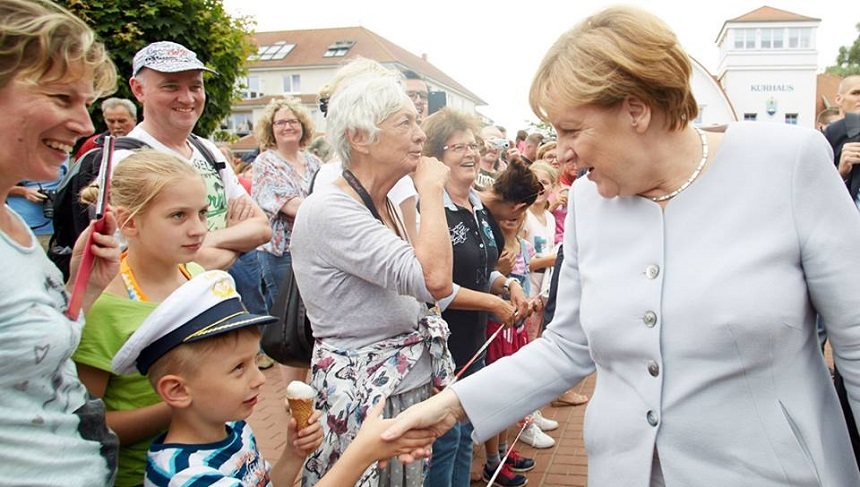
{"type": "Point", "coordinates": [160, 204]}
{"type": "Point", "coordinates": [539, 228]}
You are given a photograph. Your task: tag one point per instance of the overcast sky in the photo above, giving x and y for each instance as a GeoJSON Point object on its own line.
{"type": "Point", "coordinates": [494, 50]}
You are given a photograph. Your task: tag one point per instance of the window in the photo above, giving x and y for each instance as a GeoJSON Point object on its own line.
{"type": "Point", "coordinates": [750, 116]}
{"type": "Point", "coordinates": [778, 38]}
{"type": "Point", "coordinates": [744, 38]}
{"type": "Point", "coordinates": [799, 38]}
{"type": "Point", "coordinates": [250, 87]}
{"type": "Point", "coordinates": [253, 83]}
{"type": "Point", "coordinates": [791, 118]}
{"type": "Point", "coordinates": [240, 123]}
{"type": "Point", "coordinates": [772, 38]}
{"type": "Point", "coordinates": [272, 52]}
{"type": "Point", "coordinates": [339, 49]}
{"type": "Point", "coordinates": [292, 83]}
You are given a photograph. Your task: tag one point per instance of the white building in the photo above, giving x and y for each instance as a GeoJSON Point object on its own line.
{"type": "Point", "coordinates": [768, 66]}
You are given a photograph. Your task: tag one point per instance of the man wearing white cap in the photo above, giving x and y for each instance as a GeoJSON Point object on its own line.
{"type": "Point", "coordinates": [167, 79]}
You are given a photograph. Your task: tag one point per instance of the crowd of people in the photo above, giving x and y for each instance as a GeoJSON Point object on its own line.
{"type": "Point", "coordinates": [696, 272]}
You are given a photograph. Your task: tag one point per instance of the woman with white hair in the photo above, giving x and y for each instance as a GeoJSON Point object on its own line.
{"type": "Point", "coordinates": [364, 284]}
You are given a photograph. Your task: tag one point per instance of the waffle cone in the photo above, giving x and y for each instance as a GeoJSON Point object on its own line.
{"type": "Point", "coordinates": [301, 408]}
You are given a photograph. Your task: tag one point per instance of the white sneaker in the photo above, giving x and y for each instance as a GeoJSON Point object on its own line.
{"type": "Point", "coordinates": [535, 437]}
{"type": "Point", "coordinates": [545, 424]}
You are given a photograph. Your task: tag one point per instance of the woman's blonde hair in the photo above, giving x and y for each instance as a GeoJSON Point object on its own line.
{"type": "Point", "coordinates": [139, 179]}
{"type": "Point", "coordinates": [550, 171]}
{"type": "Point", "coordinates": [546, 168]}
{"type": "Point", "coordinates": [616, 53]}
{"type": "Point", "coordinates": [42, 42]}
{"type": "Point", "coordinates": [264, 129]}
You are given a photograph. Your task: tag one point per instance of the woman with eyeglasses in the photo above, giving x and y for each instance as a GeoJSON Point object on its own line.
{"type": "Point", "coordinates": [477, 242]}
{"type": "Point", "coordinates": [282, 176]}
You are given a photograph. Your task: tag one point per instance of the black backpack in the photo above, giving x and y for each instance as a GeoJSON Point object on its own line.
{"type": "Point", "coordinates": [71, 218]}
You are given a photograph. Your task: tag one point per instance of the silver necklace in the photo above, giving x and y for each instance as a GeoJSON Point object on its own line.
{"type": "Point", "coordinates": [693, 176]}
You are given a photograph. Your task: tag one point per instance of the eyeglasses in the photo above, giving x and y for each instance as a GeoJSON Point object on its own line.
{"type": "Point", "coordinates": [291, 121]}
{"type": "Point", "coordinates": [421, 95]}
{"type": "Point", "coordinates": [460, 148]}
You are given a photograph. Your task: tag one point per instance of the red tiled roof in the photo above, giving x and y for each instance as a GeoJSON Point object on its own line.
{"type": "Point", "coordinates": [766, 14]}
{"type": "Point", "coordinates": [770, 14]}
{"type": "Point", "coordinates": [311, 44]}
{"type": "Point", "coordinates": [307, 99]}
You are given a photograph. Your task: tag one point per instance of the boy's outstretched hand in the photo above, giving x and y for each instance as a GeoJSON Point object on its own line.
{"type": "Point", "coordinates": [414, 445]}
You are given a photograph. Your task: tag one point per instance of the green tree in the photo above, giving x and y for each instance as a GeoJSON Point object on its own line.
{"type": "Point", "coordinates": [848, 60]}
{"type": "Point", "coordinates": [221, 41]}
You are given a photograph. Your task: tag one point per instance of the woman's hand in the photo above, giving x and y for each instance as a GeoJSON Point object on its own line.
{"type": "Point", "coordinates": [536, 304]}
{"type": "Point", "coordinates": [430, 175]}
{"type": "Point", "coordinates": [519, 300]}
{"type": "Point", "coordinates": [414, 444]}
{"type": "Point", "coordinates": [505, 311]}
{"type": "Point", "coordinates": [106, 251]}
{"type": "Point", "coordinates": [106, 254]}
{"type": "Point", "coordinates": [436, 415]}
{"type": "Point", "coordinates": [560, 198]}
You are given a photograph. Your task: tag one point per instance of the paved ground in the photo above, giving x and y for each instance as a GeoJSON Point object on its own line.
{"type": "Point", "coordinates": [562, 465]}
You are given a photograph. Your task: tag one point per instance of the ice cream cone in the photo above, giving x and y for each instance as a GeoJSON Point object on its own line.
{"type": "Point", "coordinates": [301, 399]}
{"type": "Point", "coordinates": [301, 409]}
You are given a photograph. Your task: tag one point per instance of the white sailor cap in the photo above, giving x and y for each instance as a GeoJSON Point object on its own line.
{"type": "Point", "coordinates": [206, 305]}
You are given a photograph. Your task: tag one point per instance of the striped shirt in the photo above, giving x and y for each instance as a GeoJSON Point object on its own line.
{"type": "Point", "coordinates": [233, 461]}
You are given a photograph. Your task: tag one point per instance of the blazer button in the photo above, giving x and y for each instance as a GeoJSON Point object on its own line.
{"type": "Point", "coordinates": [650, 319]}
{"type": "Point", "coordinates": [652, 418]}
{"type": "Point", "coordinates": [652, 271]}
{"type": "Point", "coordinates": [653, 368]}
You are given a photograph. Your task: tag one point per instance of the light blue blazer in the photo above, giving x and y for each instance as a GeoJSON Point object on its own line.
{"type": "Point", "coordinates": [700, 323]}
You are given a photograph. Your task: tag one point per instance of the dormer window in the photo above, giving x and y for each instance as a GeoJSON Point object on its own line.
{"type": "Point", "coordinates": [339, 49]}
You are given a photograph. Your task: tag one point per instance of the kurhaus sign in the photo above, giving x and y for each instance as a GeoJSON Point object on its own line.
{"type": "Point", "coordinates": [766, 88]}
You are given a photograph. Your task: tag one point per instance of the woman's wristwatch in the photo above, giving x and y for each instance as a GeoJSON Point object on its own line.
{"type": "Point", "coordinates": [507, 285]}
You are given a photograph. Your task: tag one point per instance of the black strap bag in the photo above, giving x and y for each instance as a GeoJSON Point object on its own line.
{"type": "Point", "coordinates": [290, 340]}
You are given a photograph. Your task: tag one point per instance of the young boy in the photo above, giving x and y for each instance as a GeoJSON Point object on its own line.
{"type": "Point", "coordinates": [199, 349]}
